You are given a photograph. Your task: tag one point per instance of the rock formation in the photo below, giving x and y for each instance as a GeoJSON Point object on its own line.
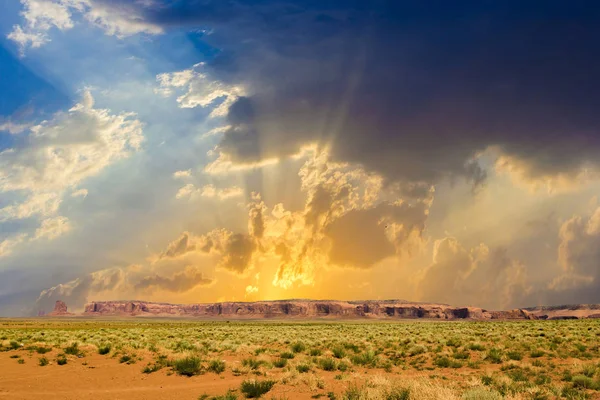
{"type": "Point", "coordinates": [60, 310]}
{"type": "Point", "coordinates": [384, 309]}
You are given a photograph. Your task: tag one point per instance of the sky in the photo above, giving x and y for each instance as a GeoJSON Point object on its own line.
{"type": "Point", "coordinates": [192, 151]}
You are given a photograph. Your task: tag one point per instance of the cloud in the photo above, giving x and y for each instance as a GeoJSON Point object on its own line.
{"type": "Point", "coordinates": [349, 220]}
{"type": "Point", "coordinates": [57, 155]}
{"type": "Point", "coordinates": [52, 228]}
{"type": "Point", "coordinates": [413, 92]}
{"type": "Point", "coordinates": [118, 18]}
{"type": "Point", "coordinates": [200, 90]}
{"type": "Point", "coordinates": [209, 191]}
{"type": "Point", "coordinates": [182, 281]}
{"type": "Point", "coordinates": [117, 281]}
{"type": "Point", "coordinates": [80, 193]}
{"type": "Point", "coordinates": [8, 244]}
{"type": "Point", "coordinates": [579, 253]}
{"type": "Point", "coordinates": [182, 174]}
{"type": "Point", "coordinates": [481, 276]}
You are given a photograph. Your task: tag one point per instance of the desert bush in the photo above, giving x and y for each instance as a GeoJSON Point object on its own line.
{"type": "Point", "coordinates": [216, 366]}
{"type": "Point", "coordinates": [280, 362]}
{"type": "Point", "coordinates": [61, 359]}
{"type": "Point", "coordinates": [327, 364]}
{"type": "Point", "coordinates": [72, 349]}
{"type": "Point", "coordinates": [494, 356]}
{"type": "Point", "coordinates": [314, 352]}
{"type": "Point", "coordinates": [298, 347]}
{"type": "Point", "coordinates": [368, 358]}
{"type": "Point", "coordinates": [287, 355]}
{"type": "Point", "coordinates": [43, 361]}
{"type": "Point", "coordinates": [188, 366]}
{"type": "Point", "coordinates": [302, 368]}
{"type": "Point", "coordinates": [338, 352]}
{"type": "Point", "coordinates": [252, 363]}
{"type": "Point", "coordinates": [515, 355]}
{"type": "Point", "coordinates": [104, 349]}
{"type": "Point", "coordinates": [254, 389]}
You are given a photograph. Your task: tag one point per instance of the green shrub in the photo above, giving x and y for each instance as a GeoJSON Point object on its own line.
{"type": "Point", "coordinates": [126, 358]}
{"type": "Point", "coordinates": [252, 363]}
{"type": "Point", "coordinates": [398, 394]}
{"type": "Point", "coordinates": [61, 360]}
{"type": "Point", "coordinates": [188, 366]}
{"type": "Point", "coordinates": [253, 389]}
{"type": "Point", "coordinates": [43, 350]}
{"type": "Point", "coordinates": [494, 356]}
{"type": "Point", "coordinates": [150, 368]}
{"type": "Point", "coordinates": [216, 366]}
{"type": "Point", "coordinates": [476, 347]}
{"type": "Point", "coordinates": [287, 354]}
{"type": "Point", "coordinates": [314, 352]}
{"type": "Point", "coordinates": [302, 368]}
{"type": "Point", "coordinates": [105, 349]}
{"type": "Point", "coordinates": [280, 363]}
{"type": "Point", "coordinates": [298, 347]}
{"type": "Point", "coordinates": [20, 361]}
{"type": "Point", "coordinates": [515, 355]}
{"type": "Point", "coordinates": [327, 364]}
{"type": "Point", "coordinates": [584, 382]}
{"type": "Point", "coordinates": [43, 362]}
{"type": "Point", "coordinates": [342, 366]}
{"type": "Point", "coordinates": [73, 349]}
{"type": "Point", "coordinates": [536, 353]}
{"type": "Point", "coordinates": [338, 352]}
{"type": "Point", "coordinates": [368, 358]}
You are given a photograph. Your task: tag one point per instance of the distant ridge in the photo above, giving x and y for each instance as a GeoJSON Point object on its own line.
{"type": "Point", "coordinates": [326, 309]}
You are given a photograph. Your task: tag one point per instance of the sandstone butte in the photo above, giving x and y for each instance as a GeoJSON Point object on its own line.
{"type": "Point", "coordinates": [325, 309]}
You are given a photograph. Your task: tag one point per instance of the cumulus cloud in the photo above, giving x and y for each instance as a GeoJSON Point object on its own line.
{"type": "Point", "coordinates": [199, 90]}
{"type": "Point", "coordinates": [480, 276]}
{"type": "Point", "coordinates": [132, 280]}
{"type": "Point", "coordinates": [60, 153]}
{"type": "Point", "coordinates": [52, 228]}
{"type": "Point", "coordinates": [182, 281]}
{"type": "Point", "coordinates": [349, 220]}
{"type": "Point", "coordinates": [114, 17]}
{"type": "Point", "coordinates": [413, 92]}
{"type": "Point", "coordinates": [210, 191]}
{"type": "Point", "coordinates": [579, 253]}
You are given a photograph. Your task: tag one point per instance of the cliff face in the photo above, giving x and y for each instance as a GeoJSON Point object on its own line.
{"type": "Point", "coordinates": [60, 310]}
{"type": "Point", "coordinates": [390, 309]}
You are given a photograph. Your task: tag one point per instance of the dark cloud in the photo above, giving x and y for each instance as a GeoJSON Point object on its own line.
{"type": "Point", "coordinates": [182, 281]}
{"type": "Point", "coordinates": [413, 90]}
{"type": "Point", "coordinates": [482, 276]}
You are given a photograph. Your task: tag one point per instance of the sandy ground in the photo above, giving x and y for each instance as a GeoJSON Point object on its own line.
{"type": "Point", "coordinates": [100, 377]}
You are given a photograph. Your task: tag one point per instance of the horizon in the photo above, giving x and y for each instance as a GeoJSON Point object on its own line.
{"type": "Point", "coordinates": [193, 152]}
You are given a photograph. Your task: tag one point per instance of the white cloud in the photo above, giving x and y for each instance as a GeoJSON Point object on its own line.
{"type": "Point", "coordinates": [200, 90]}
{"type": "Point", "coordinates": [209, 191]}
{"type": "Point", "coordinates": [42, 15]}
{"type": "Point", "coordinates": [7, 245]}
{"type": "Point", "coordinates": [52, 228]}
{"type": "Point", "coordinates": [58, 155]}
{"type": "Point", "coordinates": [13, 128]}
{"type": "Point", "coordinates": [80, 193]}
{"type": "Point", "coordinates": [182, 174]}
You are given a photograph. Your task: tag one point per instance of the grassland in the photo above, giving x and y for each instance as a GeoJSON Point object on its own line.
{"type": "Point", "coordinates": [338, 360]}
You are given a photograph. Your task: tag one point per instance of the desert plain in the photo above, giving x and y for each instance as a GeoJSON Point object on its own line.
{"type": "Point", "coordinates": [137, 358]}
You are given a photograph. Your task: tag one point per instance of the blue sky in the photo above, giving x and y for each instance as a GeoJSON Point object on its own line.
{"type": "Point", "coordinates": [193, 151]}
